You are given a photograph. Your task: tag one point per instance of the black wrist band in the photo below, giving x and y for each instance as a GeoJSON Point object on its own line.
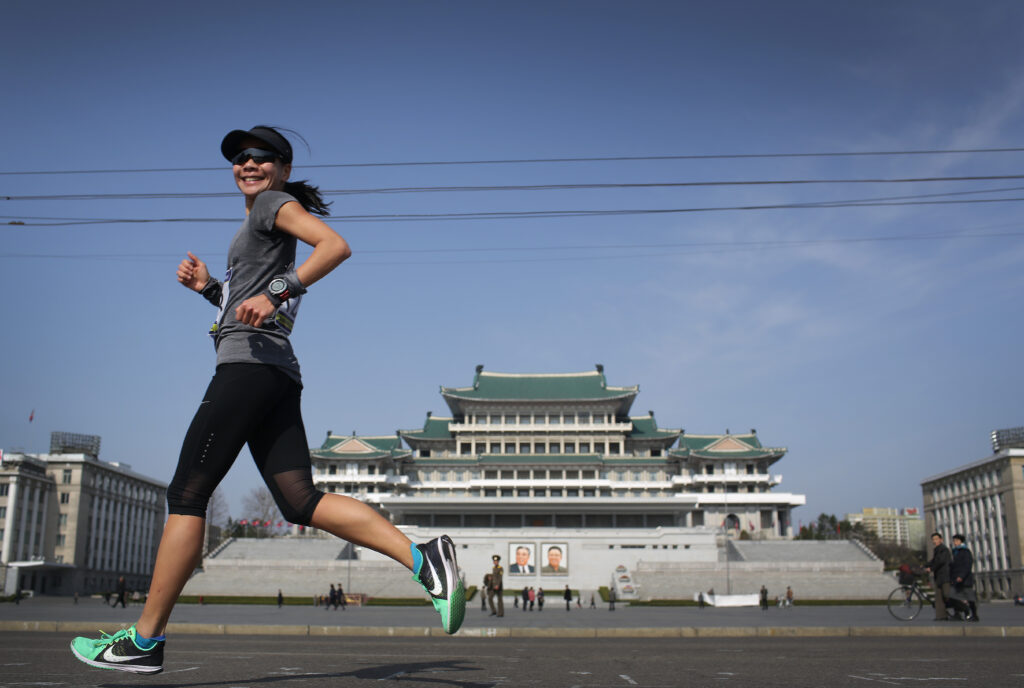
{"type": "Point", "coordinates": [212, 291]}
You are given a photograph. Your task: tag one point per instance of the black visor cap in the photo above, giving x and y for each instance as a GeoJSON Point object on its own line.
{"type": "Point", "coordinates": [232, 143]}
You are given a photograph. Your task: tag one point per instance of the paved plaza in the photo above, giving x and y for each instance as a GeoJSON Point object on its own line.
{"type": "Point", "coordinates": [60, 613]}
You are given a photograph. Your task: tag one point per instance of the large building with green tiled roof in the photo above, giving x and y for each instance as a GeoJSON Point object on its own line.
{"type": "Point", "coordinates": [561, 452]}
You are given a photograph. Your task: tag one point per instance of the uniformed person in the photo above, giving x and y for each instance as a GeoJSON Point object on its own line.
{"type": "Point", "coordinates": [496, 587]}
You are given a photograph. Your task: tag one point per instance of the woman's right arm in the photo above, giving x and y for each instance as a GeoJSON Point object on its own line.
{"type": "Point", "coordinates": [192, 273]}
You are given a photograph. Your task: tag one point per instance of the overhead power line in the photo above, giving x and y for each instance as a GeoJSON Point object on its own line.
{"type": "Point", "coordinates": [519, 161]}
{"type": "Point", "coordinates": [525, 187]}
{"type": "Point", "coordinates": [717, 245]}
{"type": "Point", "coordinates": [538, 214]}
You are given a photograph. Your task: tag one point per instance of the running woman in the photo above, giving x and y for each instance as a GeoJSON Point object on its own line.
{"type": "Point", "coordinates": [253, 399]}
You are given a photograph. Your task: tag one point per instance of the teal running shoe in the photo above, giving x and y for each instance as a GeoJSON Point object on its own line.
{"type": "Point", "coordinates": [435, 568]}
{"type": "Point", "coordinates": [120, 652]}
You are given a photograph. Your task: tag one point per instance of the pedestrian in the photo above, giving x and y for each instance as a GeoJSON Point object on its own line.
{"type": "Point", "coordinates": [254, 399]}
{"type": "Point", "coordinates": [526, 597]}
{"type": "Point", "coordinates": [592, 605]}
{"type": "Point", "coordinates": [485, 591]}
{"type": "Point", "coordinates": [611, 599]}
{"type": "Point", "coordinates": [533, 598]}
{"type": "Point", "coordinates": [332, 599]}
{"type": "Point", "coordinates": [341, 598]}
{"type": "Point", "coordinates": [579, 604]}
{"type": "Point", "coordinates": [497, 589]}
{"type": "Point", "coordinates": [540, 599]}
{"type": "Point", "coordinates": [961, 573]}
{"type": "Point", "coordinates": [939, 567]}
{"type": "Point", "coordinates": [700, 600]}
{"type": "Point", "coordinates": [122, 589]}
{"type": "Point", "coordinates": [280, 598]}
{"type": "Point", "coordinates": [567, 596]}
{"type": "Point", "coordinates": [789, 596]}
{"type": "Point", "coordinates": [76, 597]}
{"type": "Point", "coordinates": [764, 598]}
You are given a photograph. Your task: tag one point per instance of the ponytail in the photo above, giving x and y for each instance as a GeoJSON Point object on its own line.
{"type": "Point", "coordinates": [309, 197]}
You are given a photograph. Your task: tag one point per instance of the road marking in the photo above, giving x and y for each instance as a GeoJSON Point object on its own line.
{"type": "Point", "coordinates": [865, 678]}
{"type": "Point", "coordinates": [627, 679]}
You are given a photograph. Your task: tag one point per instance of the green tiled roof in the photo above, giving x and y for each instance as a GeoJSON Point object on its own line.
{"type": "Point", "coordinates": [645, 428]}
{"type": "Point", "coordinates": [360, 447]}
{"type": "Point", "coordinates": [539, 387]}
{"type": "Point", "coordinates": [745, 446]}
{"type": "Point", "coordinates": [434, 428]}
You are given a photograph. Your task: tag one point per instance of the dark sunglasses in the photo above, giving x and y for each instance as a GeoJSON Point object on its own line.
{"type": "Point", "coordinates": [258, 156]}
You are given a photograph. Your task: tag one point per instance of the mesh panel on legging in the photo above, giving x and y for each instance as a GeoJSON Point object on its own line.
{"type": "Point", "coordinates": [295, 495]}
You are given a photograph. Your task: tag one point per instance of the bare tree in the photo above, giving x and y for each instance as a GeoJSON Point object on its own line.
{"type": "Point", "coordinates": [217, 512]}
{"type": "Point", "coordinates": [259, 505]}
{"type": "Point", "coordinates": [217, 517]}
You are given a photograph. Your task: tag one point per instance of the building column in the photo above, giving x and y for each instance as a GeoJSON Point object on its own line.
{"type": "Point", "coordinates": [94, 510]}
{"type": "Point", "coordinates": [6, 554]}
{"type": "Point", "coordinates": [19, 550]}
{"type": "Point", "coordinates": [44, 503]}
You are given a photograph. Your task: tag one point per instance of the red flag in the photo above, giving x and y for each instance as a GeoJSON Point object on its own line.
{"type": "Point", "coordinates": [31, 415]}
{"type": "Point", "coordinates": [267, 523]}
{"type": "Point", "coordinates": [751, 524]}
{"type": "Point", "coordinates": [243, 522]}
{"type": "Point", "coordinates": [279, 524]}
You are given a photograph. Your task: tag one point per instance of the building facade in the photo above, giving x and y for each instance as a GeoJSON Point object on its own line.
{"type": "Point", "coordinates": [984, 501]}
{"type": "Point", "coordinates": [99, 520]}
{"type": "Point", "coordinates": [28, 516]}
{"type": "Point", "coordinates": [898, 526]}
{"type": "Point", "coordinates": [558, 451]}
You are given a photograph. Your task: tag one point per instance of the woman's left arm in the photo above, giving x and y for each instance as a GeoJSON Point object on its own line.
{"type": "Point", "coordinates": [329, 248]}
{"type": "Point", "coordinates": [329, 251]}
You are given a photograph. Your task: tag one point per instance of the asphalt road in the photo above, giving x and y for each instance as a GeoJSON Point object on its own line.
{"type": "Point", "coordinates": [94, 611]}
{"type": "Point", "coordinates": [43, 659]}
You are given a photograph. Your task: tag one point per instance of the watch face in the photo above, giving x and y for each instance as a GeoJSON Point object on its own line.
{"type": "Point", "coordinates": [278, 286]}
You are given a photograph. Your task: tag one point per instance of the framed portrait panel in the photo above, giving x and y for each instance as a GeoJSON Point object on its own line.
{"type": "Point", "coordinates": [522, 559]}
{"type": "Point", "coordinates": [554, 559]}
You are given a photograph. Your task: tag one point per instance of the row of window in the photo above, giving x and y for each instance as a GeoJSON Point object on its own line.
{"type": "Point", "coordinates": [471, 448]}
{"type": "Point", "coordinates": [580, 418]}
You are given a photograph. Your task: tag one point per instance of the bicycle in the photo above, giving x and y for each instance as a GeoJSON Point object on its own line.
{"type": "Point", "coordinates": [907, 600]}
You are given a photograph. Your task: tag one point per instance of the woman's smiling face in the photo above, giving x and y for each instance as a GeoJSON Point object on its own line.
{"type": "Point", "coordinates": [254, 178]}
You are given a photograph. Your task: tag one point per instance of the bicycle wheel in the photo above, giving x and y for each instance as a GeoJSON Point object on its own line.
{"type": "Point", "coordinates": [905, 603]}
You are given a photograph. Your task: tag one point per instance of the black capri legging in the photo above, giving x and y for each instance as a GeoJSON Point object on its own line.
{"type": "Point", "coordinates": [254, 404]}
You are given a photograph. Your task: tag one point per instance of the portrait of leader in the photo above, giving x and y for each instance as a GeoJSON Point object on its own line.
{"type": "Point", "coordinates": [557, 556]}
{"type": "Point", "coordinates": [521, 554]}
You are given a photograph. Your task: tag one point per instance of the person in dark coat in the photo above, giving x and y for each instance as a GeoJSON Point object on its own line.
{"type": "Point", "coordinates": [484, 592]}
{"type": "Point", "coordinates": [764, 598]}
{"type": "Point", "coordinates": [567, 596]}
{"type": "Point", "coordinates": [939, 567]}
{"type": "Point", "coordinates": [280, 598]}
{"type": "Point", "coordinates": [122, 589]}
{"type": "Point", "coordinates": [526, 597]}
{"type": "Point", "coordinates": [961, 573]}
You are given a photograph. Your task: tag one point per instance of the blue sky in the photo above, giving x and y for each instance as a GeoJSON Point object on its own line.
{"type": "Point", "coordinates": [877, 343]}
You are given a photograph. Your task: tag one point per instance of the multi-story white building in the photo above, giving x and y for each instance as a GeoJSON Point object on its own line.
{"type": "Point", "coordinates": [984, 501]}
{"type": "Point", "coordinates": [555, 464]}
{"type": "Point", "coordinates": [100, 520]}
{"type": "Point", "coordinates": [558, 451]}
{"type": "Point", "coordinates": [899, 526]}
{"type": "Point", "coordinates": [28, 514]}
